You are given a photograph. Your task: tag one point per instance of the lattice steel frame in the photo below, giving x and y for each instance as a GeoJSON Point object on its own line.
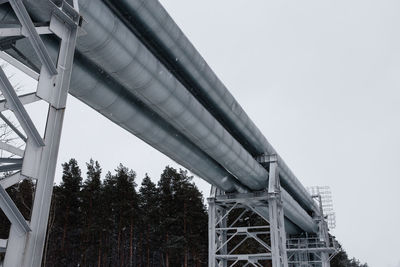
{"type": "Point", "coordinates": [313, 250]}
{"type": "Point", "coordinates": [221, 206]}
{"type": "Point", "coordinates": [24, 246]}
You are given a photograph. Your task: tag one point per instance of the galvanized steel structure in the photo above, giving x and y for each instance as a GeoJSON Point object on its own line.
{"type": "Point", "coordinates": [129, 61]}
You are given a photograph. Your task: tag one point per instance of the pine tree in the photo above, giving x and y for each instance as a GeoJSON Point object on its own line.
{"type": "Point", "coordinates": [150, 211]}
{"type": "Point", "coordinates": [342, 260]}
{"type": "Point", "coordinates": [122, 205]}
{"type": "Point", "coordinates": [92, 214]}
{"type": "Point", "coordinates": [109, 224]}
{"type": "Point", "coordinates": [183, 216]}
{"type": "Point", "coordinates": [64, 246]}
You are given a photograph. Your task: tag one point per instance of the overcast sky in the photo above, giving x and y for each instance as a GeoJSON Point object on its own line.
{"type": "Point", "coordinates": [319, 78]}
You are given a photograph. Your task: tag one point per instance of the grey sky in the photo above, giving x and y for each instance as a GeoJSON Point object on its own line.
{"type": "Point", "coordinates": [319, 78]}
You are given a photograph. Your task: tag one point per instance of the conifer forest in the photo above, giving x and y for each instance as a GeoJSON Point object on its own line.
{"type": "Point", "coordinates": [99, 219]}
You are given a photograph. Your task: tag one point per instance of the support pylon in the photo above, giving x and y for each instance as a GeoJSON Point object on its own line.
{"type": "Point", "coordinates": [248, 228]}
{"type": "Point", "coordinates": [26, 240]}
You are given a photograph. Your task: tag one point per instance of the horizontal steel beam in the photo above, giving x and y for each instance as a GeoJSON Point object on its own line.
{"type": "Point", "coordinates": [25, 99]}
{"type": "Point", "coordinates": [11, 167]}
{"type": "Point", "coordinates": [10, 160]}
{"type": "Point", "coordinates": [17, 31]}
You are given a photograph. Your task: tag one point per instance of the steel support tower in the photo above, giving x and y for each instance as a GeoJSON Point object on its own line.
{"type": "Point", "coordinates": [37, 161]}
{"type": "Point", "coordinates": [239, 234]}
{"type": "Point", "coordinates": [314, 250]}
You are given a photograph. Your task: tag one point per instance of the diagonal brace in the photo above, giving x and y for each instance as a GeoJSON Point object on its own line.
{"type": "Point", "coordinates": [29, 30]}
{"type": "Point", "coordinates": [11, 180]}
{"type": "Point", "coordinates": [13, 127]}
{"type": "Point", "coordinates": [11, 149]}
{"type": "Point", "coordinates": [19, 110]}
{"type": "Point", "coordinates": [13, 214]}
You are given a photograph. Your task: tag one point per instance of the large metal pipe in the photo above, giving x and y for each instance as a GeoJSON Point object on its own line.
{"type": "Point", "coordinates": [153, 25]}
{"type": "Point", "coordinates": [111, 45]}
{"type": "Point", "coordinates": [94, 87]}
{"type": "Point", "coordinates": [120, 108]}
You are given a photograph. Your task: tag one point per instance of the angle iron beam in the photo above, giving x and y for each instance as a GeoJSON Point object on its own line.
{"type": "Point", "coordinates": [237, 228]}
{"type": "Point", "coordinates": [265, 256]}
{"type": "Point", "coordinates": [225, 243]}
{"type": "Point", "coordinates": [19, 110]}
{"type": "Point", "coordinates": [25, 99]}
{"type": "Point", "coordinates": [29, 30]}
{"type": "Point", "coordinates": [13, 214]}
{"type": "Point", "coordinates": [259, 240]}
{"type": "Point", "coordinates": [17, 31]}
{"type": "Point", "coordinates": [11, 180]}
{"type": "Point", "coordinates": [11, 167]}
{"type": "Point", "coordinates": [11, 149]}
{"type": "Point", "coordinates": [238, 245]}
{"type": "Point", "coordinates": [13, 127]}
{"type": "Point", "coordinates": [256, 233]}
{"type": "Point", "coordinates": [238, 218]}
{"type": "Point", "coordinates": [239, 197]}
{"type": "Point", "coordinates": [66, 13]}
{"type": "Point", "coordinates": [19, 65]}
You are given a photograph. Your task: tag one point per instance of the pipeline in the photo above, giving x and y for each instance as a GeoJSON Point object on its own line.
{"type": "Point", "coordinates": [120, 108]}
{"type": "Point", "coordinates": [155, 28]}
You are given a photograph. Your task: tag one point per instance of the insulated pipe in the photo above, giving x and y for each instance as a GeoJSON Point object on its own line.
{"type": "Point", "coordinates": [108, 40]}
{"type": "Point", "coordinates": [153, 25]}
{"type": "Point", "coordinates": [95, 88]}
{"type": "Point", "coordinates": [111, 45]}
{"type": "Point", "coordinates": [124, 118]}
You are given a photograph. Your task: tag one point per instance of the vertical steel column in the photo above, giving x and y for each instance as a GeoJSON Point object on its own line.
{"type": "Point", "coordinates": [276, 216]}
{"type": "Point", "coordinates": [323, 233]}
{"type": "Point", "coordinates": [211, 232]}
{"type": "Point", "coordinates": [223, 236]}
{"type": "Point", "coordinates": [216, 239]}
{"type": "Point", "coordinates": [325, 259]}
{"type": "Point", "coordinates": [39, 161]}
